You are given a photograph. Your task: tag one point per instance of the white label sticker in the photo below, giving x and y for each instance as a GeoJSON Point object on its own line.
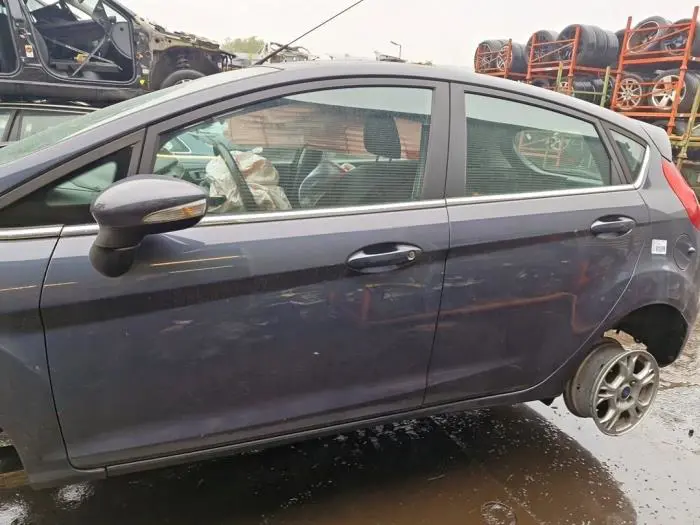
{"type": "Point", "coordinates": [658, 246]}
{"type": "Point", "coordinates": [29, 51]}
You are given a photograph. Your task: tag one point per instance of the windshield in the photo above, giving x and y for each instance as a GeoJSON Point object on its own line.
{"type": "Point", "coordinates": [86, 6]}
{"type": "Point", "coordinates": [82, 124]}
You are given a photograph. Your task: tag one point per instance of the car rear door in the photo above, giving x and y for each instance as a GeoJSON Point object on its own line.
{"type": "Point", "coordinates": [545, 234]}
{"type": "Point", "coordinates": [264, 323]}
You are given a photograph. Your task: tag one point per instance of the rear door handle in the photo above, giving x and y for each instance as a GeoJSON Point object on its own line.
{"type": "Point", "coordinates": [382, 257]}
{"type": "Point", "coordinates": [612, 226]}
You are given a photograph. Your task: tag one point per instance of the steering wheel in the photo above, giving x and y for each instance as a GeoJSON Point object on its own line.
{"type": "Point", "coordinates": [222, 151]}
{"type": "Point", "coordinates": [165, 169]}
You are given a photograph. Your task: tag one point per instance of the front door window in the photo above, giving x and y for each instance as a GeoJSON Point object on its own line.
{"type": "Point", "coordinates": [326, 149]}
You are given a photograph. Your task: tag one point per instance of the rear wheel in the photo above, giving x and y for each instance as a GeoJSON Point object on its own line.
{"type": "Point", "coordinates": [180, 77]}
{"type": "Point", "coordinates": [614, 387]}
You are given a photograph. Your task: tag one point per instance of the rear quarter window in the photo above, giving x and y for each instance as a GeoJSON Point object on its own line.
{"type": "Point", "coordinates": [631, 151]}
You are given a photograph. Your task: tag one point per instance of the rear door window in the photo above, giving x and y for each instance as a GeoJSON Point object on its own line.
{"type": "Point", "coordinates": [514, 147]}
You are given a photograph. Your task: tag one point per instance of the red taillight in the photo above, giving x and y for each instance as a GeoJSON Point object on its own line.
{"type": "Point", "coordinates": [683, 191]}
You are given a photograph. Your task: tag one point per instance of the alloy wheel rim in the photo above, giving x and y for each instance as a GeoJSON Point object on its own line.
{"type": "Point", "coordinates": [638, 41]}
{"type": "Point", "coordinates": [624, 392]}
{"type": "Point", "coordinates": [483, 57]}
{"type": "Point", "coordinates": [676, 44]}
{"type": "Point", "coordinates": [664, 92]}
{"type": "Point", "coordinates": [502, 59]}
{"type": "Point", "coordinates": [630, 94]}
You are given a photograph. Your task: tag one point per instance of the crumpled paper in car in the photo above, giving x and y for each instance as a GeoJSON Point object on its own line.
{"type": "Point", "coordinates": [260, 174]}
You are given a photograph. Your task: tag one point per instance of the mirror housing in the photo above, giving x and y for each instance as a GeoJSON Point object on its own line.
{"type": "Point", "coordinates": [138, 206]}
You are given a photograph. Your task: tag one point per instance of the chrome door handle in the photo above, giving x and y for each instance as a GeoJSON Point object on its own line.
{"type": "Point", "coordinates": [612, 225]}
{"type": "Point", "coordinates": [384, 257]}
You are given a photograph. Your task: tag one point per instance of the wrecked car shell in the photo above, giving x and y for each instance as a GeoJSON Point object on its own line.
{"type": "Point", "coordinates": [49, 51]}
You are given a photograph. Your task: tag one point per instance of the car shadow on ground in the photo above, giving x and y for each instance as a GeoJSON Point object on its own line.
{"type": "Point", "coordinates": [498, 466]}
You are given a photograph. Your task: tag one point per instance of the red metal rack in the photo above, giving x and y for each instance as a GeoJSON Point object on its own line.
{"type": "Point", "coordinates": [544, 62]}
{"type": "Point", "coordinates": [636, 58]}
{"type": "Point", "coordinates": [497, 63]}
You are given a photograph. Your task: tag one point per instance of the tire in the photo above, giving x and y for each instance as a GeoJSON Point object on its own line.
{"type": "Point", "coordinates": [542, 36]}
{"type": "Point", "coordinates": [662, 99]}
{"type": "Point", "coordinates": [489, 61]}
{"type": "Point", "coordinates": [682, 126]}
{"type": "Point", "coordinates": [614, 48]}
{"type": "Point", "coordinates": [583, 90]}
{"type": "Point", "coordinates": [598, 85]}
{"type": "Point", "coordinates": [589, 49]}
{"type": "Point", "coordinates": [676, 44]}
{"type": "Point", "coordinates": [620, 34]}
{"type": "Point", "coordinates": [180, 76]}
{"type": "Point", "coordinates": [519, 59]}
{"type": "Point", "coordinates": [543, 83]}
{"type": "Point", "coordinates": [648, 40]}
{"type": "Point", "coordinates": [631, 92]}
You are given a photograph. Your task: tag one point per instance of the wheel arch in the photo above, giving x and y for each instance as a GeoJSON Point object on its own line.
{"type": "Point", "coordinates": [660, 326]}
{"type": "Point", "coordinates": [180, 57]}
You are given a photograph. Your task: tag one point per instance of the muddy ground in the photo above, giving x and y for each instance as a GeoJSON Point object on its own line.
{"type": "Point", "coordinates": [528, 464]}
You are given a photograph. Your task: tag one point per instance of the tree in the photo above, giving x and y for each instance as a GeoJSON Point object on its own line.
{"type": "Point", "coordinates": [252, 45]}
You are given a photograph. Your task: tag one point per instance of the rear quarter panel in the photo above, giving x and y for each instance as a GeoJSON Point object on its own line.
{"type": "Point", "coordinates": [659, 279]}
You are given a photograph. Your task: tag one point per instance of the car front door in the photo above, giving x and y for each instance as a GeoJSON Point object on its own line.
{"type": "Point", "coordinates": [545, 235]}
{"type": "Point", "coordinates": [265, 319]}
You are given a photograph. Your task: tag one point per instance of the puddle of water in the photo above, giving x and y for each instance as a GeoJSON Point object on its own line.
{"type": "Point", "coordinates": [488, 467]}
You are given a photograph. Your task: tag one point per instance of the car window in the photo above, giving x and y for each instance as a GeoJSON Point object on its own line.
{"type": "Point", "coordinates": [368, 145]}
{"type": "Point", "coordinates": [516, 148]}
{"type": "Point", "coordinates": [632, 152]}
{"type": "Point", "coordinates": [67, 201]}
{"type": "Point", "coordinates": [32, 122]}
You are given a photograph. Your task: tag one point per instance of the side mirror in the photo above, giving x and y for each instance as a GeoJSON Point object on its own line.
{"type": "Point", "coordinates": [137, 206]}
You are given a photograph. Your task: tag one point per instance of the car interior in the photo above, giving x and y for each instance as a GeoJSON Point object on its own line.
{"type": "Point", "coordinates": [83, 39]}
{"type": "Point", "coordinates": [331, 176]}
{"type": "Point", "coordinates": [504, 159]}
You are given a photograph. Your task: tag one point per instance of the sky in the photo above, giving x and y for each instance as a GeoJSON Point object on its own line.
{"type": "Point", "coordinates": [444, 31]}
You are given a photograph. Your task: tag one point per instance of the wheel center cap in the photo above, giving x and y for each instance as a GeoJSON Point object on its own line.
{"type": "Point", "coordinates": [626, 392]}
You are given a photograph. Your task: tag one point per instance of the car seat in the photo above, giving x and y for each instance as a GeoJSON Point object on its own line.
{"type": "Point", "coordinates": [383, 181]}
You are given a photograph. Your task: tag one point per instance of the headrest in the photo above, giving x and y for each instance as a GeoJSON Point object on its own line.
{"type": "Point", "coordinates": [382, 136]}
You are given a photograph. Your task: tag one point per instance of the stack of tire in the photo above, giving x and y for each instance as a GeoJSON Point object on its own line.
{"type": "Point", "coordinates": [659, 91]}
{"type": "Point", "coordinates": [493, 55]}
{"type": "Point", "coordinates": [597, 48]}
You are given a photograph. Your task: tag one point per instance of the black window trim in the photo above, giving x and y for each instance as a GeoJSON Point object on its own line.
{"type": "Point", "coordinates": [457, 164]}
{"type": "Point", "coordinates": [134, 139]}
{"type": "Point", "coordinates": [629, 176]}
{"type": "Point", "coordinates": [435, 167]}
